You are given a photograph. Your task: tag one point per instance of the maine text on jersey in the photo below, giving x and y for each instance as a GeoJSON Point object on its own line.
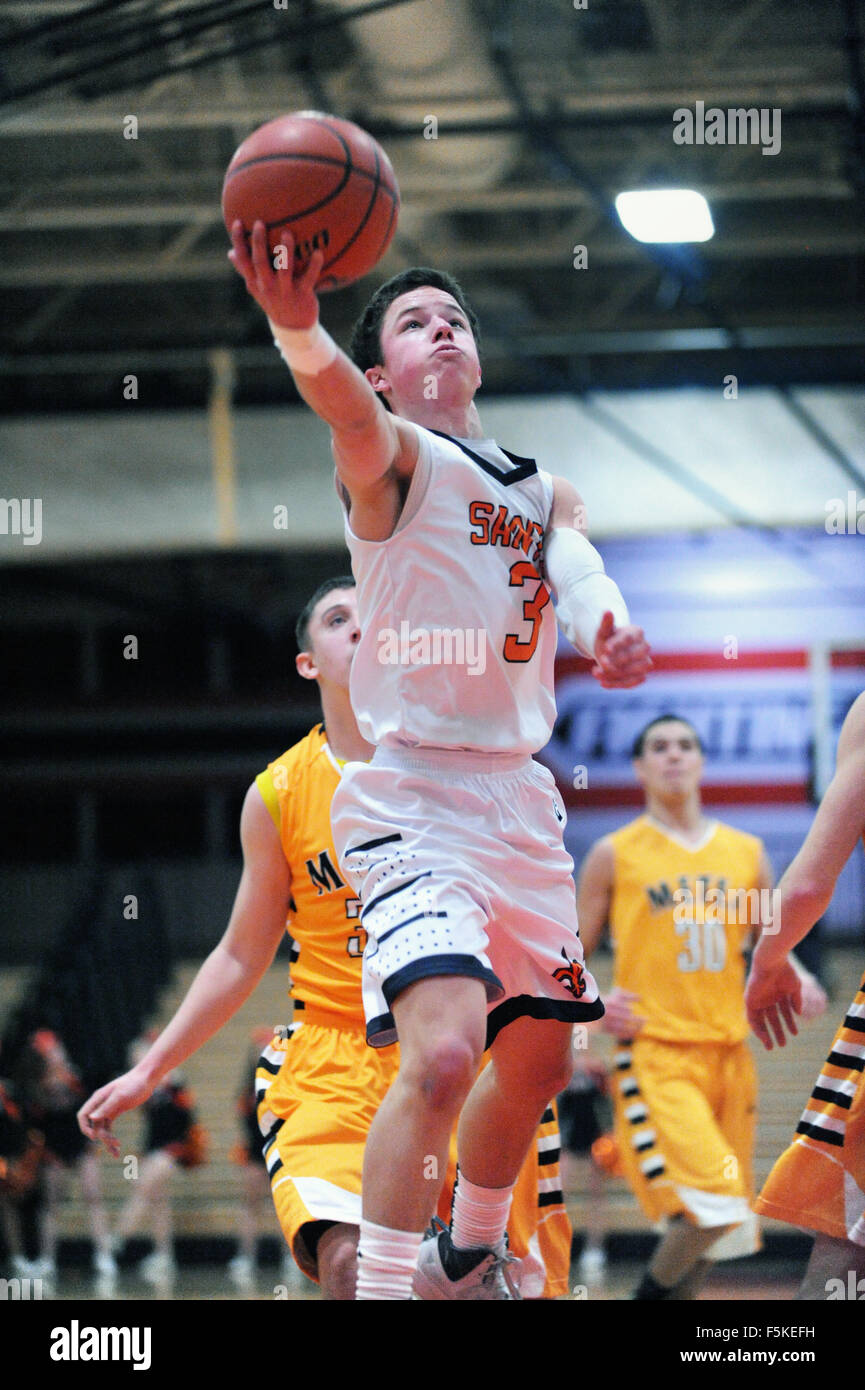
{"type": "Point", "coordinates": [325, 879]}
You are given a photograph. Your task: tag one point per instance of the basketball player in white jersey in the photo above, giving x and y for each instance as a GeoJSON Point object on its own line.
{"type": "Point", "coordinates": [452, 835]}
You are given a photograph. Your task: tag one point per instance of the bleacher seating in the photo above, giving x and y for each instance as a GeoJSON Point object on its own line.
{"type": "Point", "coordinates": [206, 1198]}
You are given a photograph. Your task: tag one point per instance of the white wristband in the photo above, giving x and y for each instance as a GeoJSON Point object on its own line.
{"type": "Point", "coordinates": [304, 350]}
{"type": "Point", "coordinates": [584, 593]}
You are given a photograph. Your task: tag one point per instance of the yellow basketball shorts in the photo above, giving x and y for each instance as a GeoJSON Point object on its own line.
{"type": "Point", "coordinates": [318, 1090]}
{"type": "Point", "coordinates": [819, 1181]}
{"type": "Point", "coordinates": [684, 1118]}
{"type": "Point", "coordinates": [539, 1229]}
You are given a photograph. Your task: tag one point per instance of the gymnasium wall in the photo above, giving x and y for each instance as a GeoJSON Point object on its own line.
{"type": "Point", "coordinates": [661, 462]}
{"type": "Point", "coordinates": [115, 763]}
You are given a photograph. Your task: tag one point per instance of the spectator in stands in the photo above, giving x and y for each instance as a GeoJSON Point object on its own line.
{"type": "Point", "coordinates": [247, 1154]}
{"type": "Point", "coordinates": [173, 1138]}
{"type": "Point", "coordinates": [51, 1092]}
{"type": "Point", "coordinates": [21, 1187]}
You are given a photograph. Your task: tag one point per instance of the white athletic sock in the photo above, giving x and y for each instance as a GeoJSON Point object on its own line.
{"type": "Point", "coordinates": [480, 1214]}
{"type": "Point", "coordinates": [386, 1261]}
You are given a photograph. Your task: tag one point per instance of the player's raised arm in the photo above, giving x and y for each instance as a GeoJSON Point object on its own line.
{"type": "Point", "coordinates": [589, 606]}
{"type": "Point", "coordinates": [225, 980]}
{"type": "Point", "coordinates": [806, 889]}
{"type": "Point", "coordinates": [368, 442]}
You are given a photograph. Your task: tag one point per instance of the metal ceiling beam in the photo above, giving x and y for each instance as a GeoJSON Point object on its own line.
{"type": "Point", "coordinates": [145, 44]}
{"type": "Point", "coordinates": [457, 115]}
{"type": "Point", "coordinates": [59, 17]}
{"type": "Point", "coordinates": [182, 243]}
{"type": "Point", "coordinates": [421, 197]}
{"type": "Point", "coordinates": [48, 312]}
{"type": "Point", "coordinates": [23, 9]}
{"type": "Point", "coordinates": [564, 344]}
{"type": "Point", "coordinates": [147, 270]}
{"type": "Point", "coordinates": [49, 219]}
{"type": "Point", "coordinates": [733, 33]}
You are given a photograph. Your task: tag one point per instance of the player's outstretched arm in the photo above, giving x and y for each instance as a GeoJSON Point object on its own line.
{"type": "Point", "coordinates": [225, 980]}
{"type": "Point", "coordinates": [594, 896]}
{"type": "Point", "coordinates": [368, 441]}
{"type": "Point", "coordinates": [806, 889]}
{"type": "Point", "coordinates": [808, 995]}
{"type": "Point", "coordinates": [589, 607]}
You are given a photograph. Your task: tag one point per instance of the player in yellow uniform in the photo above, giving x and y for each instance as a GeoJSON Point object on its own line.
{"type": "Point", "coordinates": [682, 894]}
{"type": "Point", "coordinates": [819, 1181]}
{"type": "Point", "coordinates": [319, 1083]}
{"type": "Point", "coordinates": [320, 1086]}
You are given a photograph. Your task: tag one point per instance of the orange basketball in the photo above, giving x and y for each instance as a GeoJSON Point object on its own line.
{"type": "Point", "coordinates": [323, 179]}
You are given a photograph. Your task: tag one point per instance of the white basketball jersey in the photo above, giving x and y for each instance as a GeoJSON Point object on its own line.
{"type": "Point", "coordinates": [458, 630]}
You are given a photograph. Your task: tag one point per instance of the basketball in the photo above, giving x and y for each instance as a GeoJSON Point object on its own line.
{"type": "Point", "coordinates": [323, 179]}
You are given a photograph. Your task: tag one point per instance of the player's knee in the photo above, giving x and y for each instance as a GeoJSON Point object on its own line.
{"type": "Point", "coordinates": [534, 1059]}
{"type": "Point", "coordinates": [337, 1270]}
{"type": "Point", "coordinates": [558, 1075]}
{"type": "Point", "coordinates": [547, 1076]}
{"type": "Point", "coordinates": [444, 1071]}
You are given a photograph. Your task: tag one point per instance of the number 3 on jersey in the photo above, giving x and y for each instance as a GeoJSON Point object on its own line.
{"type": "Point", "coordinates": [357, 941]}
{"type": "Point", "coordinates": [514, 649]}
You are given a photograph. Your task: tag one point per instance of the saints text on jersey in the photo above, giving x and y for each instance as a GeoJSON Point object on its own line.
{"type": "Point", "coordinates": [507, 529]}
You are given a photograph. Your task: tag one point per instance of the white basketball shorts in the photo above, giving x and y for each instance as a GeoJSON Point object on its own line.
{"type": "Point", "coordinates": [459, 863]}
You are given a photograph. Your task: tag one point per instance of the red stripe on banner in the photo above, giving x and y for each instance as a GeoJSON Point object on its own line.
{"type": "Point", "coordinates": [706, 661]}
{"type": "Point", "coordinates": [848, 658]}
{"type": "Point", "coordinates": [721, 794]}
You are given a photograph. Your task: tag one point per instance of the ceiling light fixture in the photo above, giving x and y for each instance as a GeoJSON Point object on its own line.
{"type": "Point", "coordinates": [665, 215]}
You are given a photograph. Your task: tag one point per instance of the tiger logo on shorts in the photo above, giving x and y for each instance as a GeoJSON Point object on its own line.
{"type": "Point", "coordinates": [571, 976]}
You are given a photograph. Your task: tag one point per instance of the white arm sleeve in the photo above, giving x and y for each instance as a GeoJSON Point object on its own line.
{"type": "Point", "coordinates": [584, 593]}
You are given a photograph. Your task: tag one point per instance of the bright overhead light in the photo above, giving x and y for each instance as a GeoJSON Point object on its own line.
{"type": "Point", "coordinates": [665, 214]}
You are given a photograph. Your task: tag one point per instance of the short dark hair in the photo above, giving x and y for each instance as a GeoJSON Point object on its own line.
{"type": "Point", "coordinates": [365, 349]}
{"type": "Point", "coordinates": [640, 740]}
{"type": "Point", "coordinates": [301, 631]}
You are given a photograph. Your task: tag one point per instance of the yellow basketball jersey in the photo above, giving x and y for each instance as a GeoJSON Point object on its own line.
{"type": "Point", "coordinates": [324, 919]}
{"type": "Point", "coordinates": [680, 919]}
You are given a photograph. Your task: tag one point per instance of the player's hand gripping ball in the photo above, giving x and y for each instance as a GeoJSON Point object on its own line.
{"type": "Point", "coordinates": [324, 180]}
